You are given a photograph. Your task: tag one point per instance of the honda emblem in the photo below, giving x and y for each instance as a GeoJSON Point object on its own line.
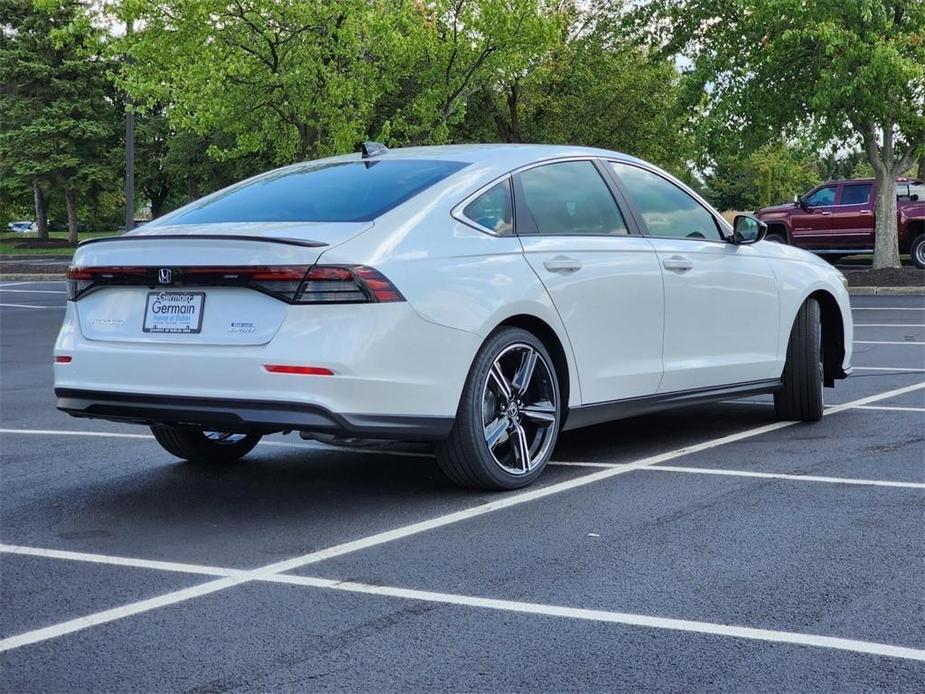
{"type": "Point", "coordinates": [165, 275]}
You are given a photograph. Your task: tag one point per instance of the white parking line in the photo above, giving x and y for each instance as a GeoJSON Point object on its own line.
{"type": "Point", "coordinates": [888, 308]}
{"type": "Point", "coordinates": [629, 619]}
{"type": "Point", "coordinates": [399, 533]}
{"type": "Point", "coordinates": [32, 291]}
{"type": "Point", "coordinates": [639, 620]}
{"type": "Point", "coordinates": [877, 342]}
{"type": "Point", "coordinates": [887, 325]}
{"type": "Point", "coordinates": [892, 408]}
{"type": "Point", "coordinates": [28, 306]}
{"type": "Point", "coordinates": [888, 368]}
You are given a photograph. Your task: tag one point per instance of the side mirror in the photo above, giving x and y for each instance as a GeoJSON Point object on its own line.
{"type": "Point", "coordinates": [797, 199]}
{"type": "Point", "coordinates": [747, 229]}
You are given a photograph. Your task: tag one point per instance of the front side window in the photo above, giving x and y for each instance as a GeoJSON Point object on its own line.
{"type": "Point", "coordinates": [493, 209]}
{"type": "Point", "coordinates": [856, 194]}
{"type": "Point", "coordinates": [665, 209]}
{"type": "Point", "coordinates": [354, 191]}
{"type": "Point", "coordinates": [822, 197]}
{"type": "Point", "coordinates": [567, 199]}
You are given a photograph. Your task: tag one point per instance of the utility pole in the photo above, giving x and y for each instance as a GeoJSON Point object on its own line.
{"type": "Point", "coordinates": [129, 149]}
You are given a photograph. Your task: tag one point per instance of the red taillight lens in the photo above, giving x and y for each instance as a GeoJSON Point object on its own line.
{"type": "Point", "coordinates": [299, 284]}
{"type": "Point", "coordinates": [301, 370]}
{"type": "Point", "coordinates": [348, 284]}
{"type": "Point", "coordinates": [63, 359]}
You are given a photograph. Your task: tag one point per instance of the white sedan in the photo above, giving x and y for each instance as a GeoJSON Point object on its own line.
{"type": "Point", "coordinates": [484, 297]}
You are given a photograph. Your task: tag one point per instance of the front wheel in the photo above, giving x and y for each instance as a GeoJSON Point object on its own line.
{"type": "Point", "coordinates": [917, 251]}
{"type": "Point", "coordinates": [197, 446]}
{"type": "Point", "coordinates": [508, 417]}
{"type": "Point", "coordinates": [801, 397]}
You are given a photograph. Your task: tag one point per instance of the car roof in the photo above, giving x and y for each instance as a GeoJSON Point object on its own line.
{"type": "Point", "coordinates": [511, 154]}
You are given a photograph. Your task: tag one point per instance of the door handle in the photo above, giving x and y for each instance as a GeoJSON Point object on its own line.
{"type": "Point", "coordinates": [865, 211]}
{"type": "Point", "coordinates": [825, 214]}
{"type": "Point", "coordinates": [562, 263]}
{"type": "Point", "coordinates": [678, 263]}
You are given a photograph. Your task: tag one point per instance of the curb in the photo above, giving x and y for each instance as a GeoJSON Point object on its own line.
{"type": "Point", "coordinates": [886, 291]}
{"type": "Point", "coordinates": [34, 277]}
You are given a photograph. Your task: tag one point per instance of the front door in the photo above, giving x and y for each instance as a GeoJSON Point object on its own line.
{"type": "Point", "coordinates": [721, 300]}
{"type": "Point", "coordinates": [814, 222]}
{"type": "Point", "coordinates": [605, 282]}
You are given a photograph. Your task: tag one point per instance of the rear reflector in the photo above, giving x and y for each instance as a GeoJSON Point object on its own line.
{"type": "Point", "coordinates": [301, 370]}
{"type": "Point", "coordinates": [294, 284]}
{"type": "Point", "coordinates": [62, 359]}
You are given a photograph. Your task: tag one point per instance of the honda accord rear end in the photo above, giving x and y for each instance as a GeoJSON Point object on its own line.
{"type": "Point", "coordinates": [226, 320]}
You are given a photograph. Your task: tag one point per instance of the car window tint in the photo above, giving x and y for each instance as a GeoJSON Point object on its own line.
{"type": "Point", "coordinates": [355, 191]}
{"type": "Point", "coordinates": [665, 209]}
{"type": "Point", "coordinates": [568, 198]}
{"type": "Point", "coordinates": [823, 196]}
{"type": "Point", "coordinates": [856, 193]}
{"type": "Point", "coordinates": [493, 209]}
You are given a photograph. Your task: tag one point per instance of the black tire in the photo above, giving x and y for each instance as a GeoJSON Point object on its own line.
{"type": "Point", "coordinates": [466, 457]}
{"type": "Point", "coordinates": [801, 397]}
{"type": "Point", "coordinates": [917, 251]}
{"type": "Point", "coordinates": [776, 238]}
{"type": "Point", "coordinates": [197, 447]}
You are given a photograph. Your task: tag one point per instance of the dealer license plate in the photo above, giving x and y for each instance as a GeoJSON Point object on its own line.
{"type": "Point", "coordinates": [174, 312]}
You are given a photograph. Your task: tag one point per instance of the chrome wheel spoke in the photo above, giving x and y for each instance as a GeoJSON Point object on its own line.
{"type": "Point", "coordinates": [521, 447]}
{"type": "Point", "coordinates": [496, 432]}
{"type": "Point", "coordinates": [542, 413]}
{"type": "Point", "coordinates": [500, 381]}
{"type": "Point", "coordinates": [525, 373]}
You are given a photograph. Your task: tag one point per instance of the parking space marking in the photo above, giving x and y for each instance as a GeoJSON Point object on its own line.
{"type": "Point", "coordinates": [33, 291]}
{"type": "Point", "coordinates": [402, 532]}
{"type": "Point", "coordinates": [119, 561]}
{"type": "Point", "coordinates": [17, 284]}
{"type": "Point", "coordinates": [28, 306]}
{"type": "Point", "coordinates": [64, 432]}
{"type": "Point", "coordinates": [640, 620]}
{"type": "Point", "coordinates": [878, 342]}
{"type": "Point", "coordinates": [882, 325]}
{"type": "Point", "coordinates": [888, 308]}
{"type": "Point", "coordinates": [892, 408]}
{"type": "Point", "coordinates": [629, 619]}
{"type": "Point", "coordinates": [901, 369]}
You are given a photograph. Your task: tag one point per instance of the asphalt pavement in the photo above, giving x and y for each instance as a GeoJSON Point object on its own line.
{"type": "Point", "coordinates": [705, 549]}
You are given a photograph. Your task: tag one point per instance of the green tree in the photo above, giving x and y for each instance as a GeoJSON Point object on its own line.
{"type": "Point", "coordinates": [54, 105]}
{"type": "Point", "coordinates": [834, 70]}
{"type": "Point", "coordinates": [771, 174]}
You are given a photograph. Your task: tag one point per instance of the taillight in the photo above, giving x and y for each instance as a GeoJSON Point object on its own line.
{"type": "Point", "coordinates": [299, 284]}
{"type": "Point", "coordinates": [343, 284]}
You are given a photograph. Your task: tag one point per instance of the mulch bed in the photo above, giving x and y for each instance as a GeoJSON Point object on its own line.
{"type": "Point", "coordinates": [890, 277]}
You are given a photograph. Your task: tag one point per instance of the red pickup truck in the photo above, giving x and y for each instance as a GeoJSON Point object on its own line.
{"type": "Point", "coordinates": [837, 219]}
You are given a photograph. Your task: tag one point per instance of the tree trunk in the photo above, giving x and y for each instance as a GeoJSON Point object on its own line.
{"type": "Point", "coordinates": [886, 233]}
{"type": "Point", "coordinates": [192, 188]}
{"type": "Point", "coordinates": [921, 173]}
{"type": "Point", "coordinates": [70, 198]}
{"type": "Point", "coordinates": [41, 210]}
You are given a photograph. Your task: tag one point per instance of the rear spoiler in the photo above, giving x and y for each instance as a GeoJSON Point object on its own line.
{"type": "Point", "coordinates": [202, 237]}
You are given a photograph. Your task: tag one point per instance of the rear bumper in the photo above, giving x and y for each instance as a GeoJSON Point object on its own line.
{"type": "Point", "coordinates": [246, 416]}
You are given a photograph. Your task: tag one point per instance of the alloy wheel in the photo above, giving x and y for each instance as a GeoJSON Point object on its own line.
{"type": "Point", "coordinates": [520, 414]}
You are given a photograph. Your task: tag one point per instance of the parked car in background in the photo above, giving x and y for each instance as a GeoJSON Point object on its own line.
{"type": "Point", "coordinates": [837, 219]}
{"type": "Point", "coordinates": [483, 297]}
{"type": "Point", "coordinates": [22, 226]}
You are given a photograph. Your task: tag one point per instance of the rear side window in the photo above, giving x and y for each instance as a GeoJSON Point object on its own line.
{"type": "Point", "coordinates": [355, 191]}
{"type": "Point", "coordinates": [493, 209]}
{"type": "Point", "coordinates": [665, 209]}
{"type": "Point", "coordinates": [856, 194]}
{"type": "Point", "coordinates": [567, 199]}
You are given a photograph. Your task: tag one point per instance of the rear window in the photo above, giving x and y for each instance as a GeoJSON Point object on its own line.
{"type": "Point", "coordinates": [335, 192]}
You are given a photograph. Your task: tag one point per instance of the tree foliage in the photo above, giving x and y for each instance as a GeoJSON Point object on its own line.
{"type": "Point", "coordinates": [55, 105]}
{"type": "Point", "coordinates": [849, 71]}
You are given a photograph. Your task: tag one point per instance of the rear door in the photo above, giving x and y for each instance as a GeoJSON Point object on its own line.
{"type": "Point", "coordinates": [853, 217]}
{"type": "Point", "coordinates": [604, 280]}
{"type": "Point", "coordinates": [721, 300]}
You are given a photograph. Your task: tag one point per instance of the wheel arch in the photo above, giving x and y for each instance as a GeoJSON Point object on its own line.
{"type": "Point", "coordinates": [779, 228]}
{"type": "Point", "coordinates": [550, 339]}
{"type": "Point", "coordinates": [914, 229]}
{"type": "Point", "coordinates": [833, 336]}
